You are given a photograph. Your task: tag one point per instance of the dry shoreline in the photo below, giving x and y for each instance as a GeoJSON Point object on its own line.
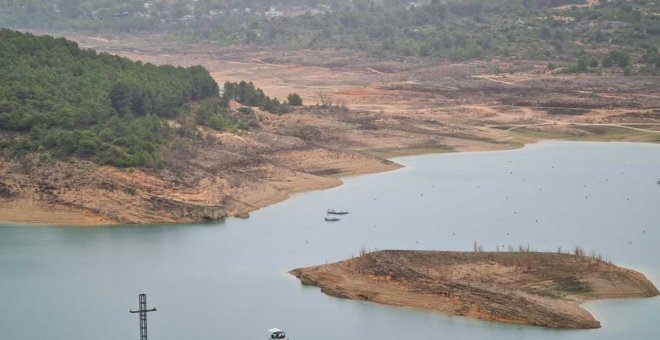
{"type": "Point", "coordinates": [275, 190]}
{"type": "Point", "coordinates": [30, 211]}
{"type": "Point", "coordinates": [541, 289]}
{"type": "Point", "coordinates": [25, 211]}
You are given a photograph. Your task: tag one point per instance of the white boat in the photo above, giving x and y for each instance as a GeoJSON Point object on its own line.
{"type": "Point", "coordinates": [332, 219]}
{"type": "Point", "coordinates": [337, 212]}
{"type": "Point", "coordinates": [276, 333]}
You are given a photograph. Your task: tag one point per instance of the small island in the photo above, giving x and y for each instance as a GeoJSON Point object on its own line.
{"type": "Point", "coordinates": [541, 289]}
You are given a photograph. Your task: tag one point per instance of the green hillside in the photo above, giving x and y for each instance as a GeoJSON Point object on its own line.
{"type": "Point", "coordinates": [68, 101]}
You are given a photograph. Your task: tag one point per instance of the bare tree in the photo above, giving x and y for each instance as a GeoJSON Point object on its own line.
{"type": "Point", "coordinates": [325, 98]}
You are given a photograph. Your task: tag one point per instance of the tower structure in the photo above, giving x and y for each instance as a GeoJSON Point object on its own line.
{"type": "Point", "coordinates": [142, 311]}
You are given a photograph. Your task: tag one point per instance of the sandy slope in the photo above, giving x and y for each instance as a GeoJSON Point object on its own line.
{"type": "Point", "coordinates": [28, 211]}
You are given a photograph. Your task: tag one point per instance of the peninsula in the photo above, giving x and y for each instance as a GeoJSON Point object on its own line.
{"type": "Point", "coordinates": [541, 289]}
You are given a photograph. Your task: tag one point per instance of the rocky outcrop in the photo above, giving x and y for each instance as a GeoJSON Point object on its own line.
{"type": "Point", "coordinates": [5, 191]}
{"type": "Point", "coordinates": [187, 210]}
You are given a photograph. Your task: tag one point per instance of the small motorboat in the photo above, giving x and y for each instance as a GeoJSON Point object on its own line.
{"type": "Point", "coordinates": [276, 333]}
{"type": "Point", "coordinates": [337, 212]}
{"type": "Point", "coordinates": [332, 219]}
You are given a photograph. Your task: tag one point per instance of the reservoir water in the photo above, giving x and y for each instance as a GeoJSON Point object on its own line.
{"type": "Point", "coordinates": [229, 280]}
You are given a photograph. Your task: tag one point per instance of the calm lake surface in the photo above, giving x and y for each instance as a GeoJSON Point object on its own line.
{"type": "Point", "coordinates": [229, 280]}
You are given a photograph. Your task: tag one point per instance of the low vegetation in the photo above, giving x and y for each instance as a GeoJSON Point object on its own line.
{"type": "Point", "coordinates": [212, 113]}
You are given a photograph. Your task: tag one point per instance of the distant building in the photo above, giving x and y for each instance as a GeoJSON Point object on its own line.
{"type": "Point", "coordinates": [273, 13]}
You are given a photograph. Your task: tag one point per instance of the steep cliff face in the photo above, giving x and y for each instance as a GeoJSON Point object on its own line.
{"type": "Point", "coordinates": [541, 289]}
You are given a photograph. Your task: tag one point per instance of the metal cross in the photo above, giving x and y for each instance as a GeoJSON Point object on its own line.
{"type": "Point", "coordinates": [143, 315]}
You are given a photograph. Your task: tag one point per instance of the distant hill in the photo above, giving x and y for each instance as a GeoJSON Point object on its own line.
{"type": "Point", "coordinates": [59, 98]}
{"type": "Point", "coordinates": [591, 34]}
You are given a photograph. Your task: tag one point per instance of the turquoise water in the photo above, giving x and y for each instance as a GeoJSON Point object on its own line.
{"type": "Point", "coordinates": [229, 279]}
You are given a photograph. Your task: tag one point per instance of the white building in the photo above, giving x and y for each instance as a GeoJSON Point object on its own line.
{"type": "Point", "coordinates": [273, 13]}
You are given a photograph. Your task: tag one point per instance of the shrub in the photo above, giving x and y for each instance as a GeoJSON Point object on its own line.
{"type": "Point", "coordinates": [294, 99]}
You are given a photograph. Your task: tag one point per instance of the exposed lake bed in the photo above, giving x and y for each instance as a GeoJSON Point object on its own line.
{"type": "Point", "coordinates": [230, 278]}
{"type": "Point", "coordinates": [532, 288]}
